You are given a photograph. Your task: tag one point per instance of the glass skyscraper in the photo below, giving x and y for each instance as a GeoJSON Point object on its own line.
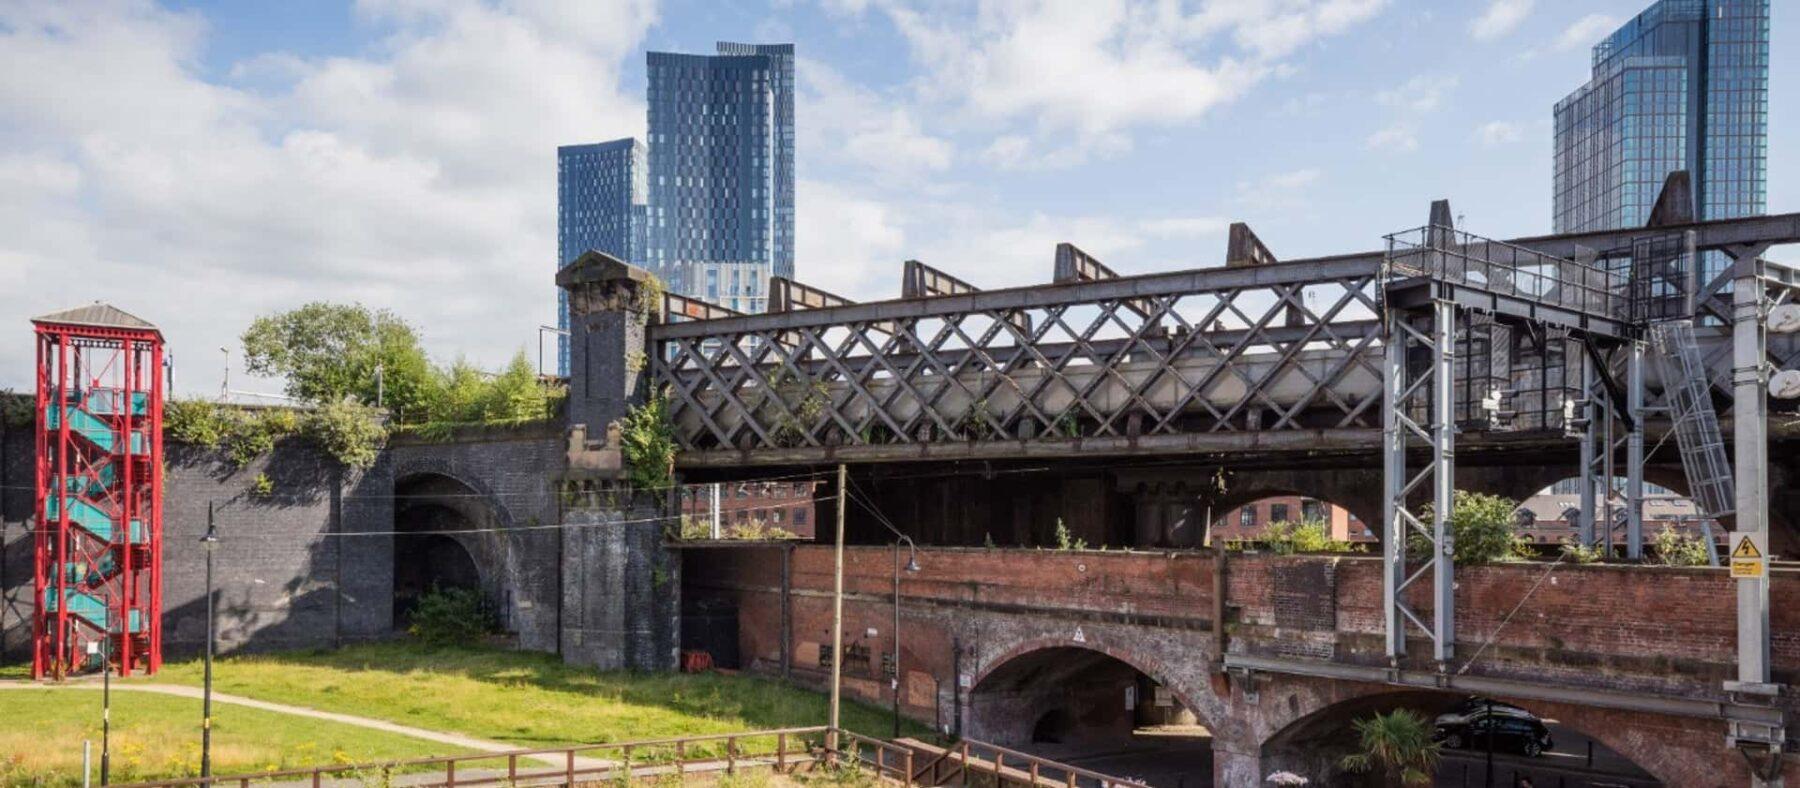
{"type": "Point", "coordinates": [602, 196]}
{"type": "Point", "coordinates": [1684, 85]}
{"type": "Point", "coordinates": [721, 216]}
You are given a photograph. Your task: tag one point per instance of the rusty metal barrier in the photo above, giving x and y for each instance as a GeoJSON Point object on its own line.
{"type": "Point", "coordinates": [567, 766]}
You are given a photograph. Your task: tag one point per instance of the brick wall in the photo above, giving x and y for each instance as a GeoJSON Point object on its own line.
{"type": "Point", "coordinates": [289, 570]}
{"type": "Point", "coordinates": [969, 611]}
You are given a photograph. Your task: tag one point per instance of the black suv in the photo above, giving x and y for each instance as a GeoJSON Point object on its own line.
{"type": "Point", "coordinates": [1508, 732]}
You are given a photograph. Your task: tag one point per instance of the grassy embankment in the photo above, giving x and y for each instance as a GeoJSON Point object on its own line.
{"type": "Point", "coordinates": [527, 699]}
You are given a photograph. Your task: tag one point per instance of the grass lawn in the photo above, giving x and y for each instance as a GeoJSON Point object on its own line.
{"type": "Point", "coordinates": [525, 698]}
{"type": "Point", "coordinates": [159, 736]}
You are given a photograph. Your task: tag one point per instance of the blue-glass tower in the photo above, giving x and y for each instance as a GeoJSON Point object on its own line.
{"type": "Point", "coordinates": [1684, 85]}
{"type": "Point", "coordinates": [602, 196]}
{"type": "Point", "coordinates": [722, 171]}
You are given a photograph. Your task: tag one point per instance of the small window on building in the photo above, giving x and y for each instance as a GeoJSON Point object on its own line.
{"type": "Point", "coordinates": [1278, 513]}
{"type": "Point", "coordinates": [1247, 517]}
{"type": "Point", "coordinates": [799, 516]}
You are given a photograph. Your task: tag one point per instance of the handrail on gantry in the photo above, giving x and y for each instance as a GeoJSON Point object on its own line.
{"type": "Point", "coordinates": [1503, 269]}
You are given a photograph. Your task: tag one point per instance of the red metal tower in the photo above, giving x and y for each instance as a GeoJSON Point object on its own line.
{"type": "Point", "coordinates": [98, 555]}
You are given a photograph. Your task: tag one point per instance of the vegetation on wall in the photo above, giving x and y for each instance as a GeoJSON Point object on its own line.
{"type": "Point", "coordinates": [647, 442]}
{"type": "Point", "coordinates": [352, 434]}
{"type": "Point", "coordinates": [1674, 548]}
{"type": "Point", "coordinates": [1306, 536]}
{"type": "Point", "coordinates": [1482, 526]}
{"type": "Point", "coordinates": [329, 353]}
{"type": "Point", "coordinates": [16, 410]}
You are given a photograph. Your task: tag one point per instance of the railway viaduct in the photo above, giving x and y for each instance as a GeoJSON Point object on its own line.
{"type": "Point", "coordinates": [1120, 412]}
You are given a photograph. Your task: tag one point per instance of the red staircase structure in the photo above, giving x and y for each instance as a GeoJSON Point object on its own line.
{"type": "Point", "coordinates": [98, 552]}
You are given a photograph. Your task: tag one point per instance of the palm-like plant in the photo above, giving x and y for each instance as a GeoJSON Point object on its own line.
{"type": "Point", "coordinates": [1398, 744]}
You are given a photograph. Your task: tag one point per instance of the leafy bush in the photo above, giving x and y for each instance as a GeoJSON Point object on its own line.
{"type": "Point", "coordinates": [1396, 744]}
{"type": "Point", "coordinates": [1674, 548]}
{"type": "Point", "coordinates": [647, 441]}
{"type": "Point", "coordinates": [1306, 536]}
{"type": "Point", "coordinates": [17, 409]}
{"type": "Point", "coordinates": [1066, 540]}
{"type": "Point", "coordinates": [451, 617]}
{"type": "Point", "coordinates": [1583, 553]}
{"type": "Point", "coordinates": [262, 486]}
{"type": "Point", "coordinates": [1482, 526]}
{"type": "Point", "coordinates": [349, 432]}
{"type": "Point", "coordinates": [194, 421]}
{"type": "Point", "coordinates": [758, 530]}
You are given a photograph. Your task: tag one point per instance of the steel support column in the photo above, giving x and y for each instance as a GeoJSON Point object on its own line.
{"type": "Point", "coordinates": [1760, 743]}
{"type": "Point", "coordinates": [1591, 490]}
{"type": "Point", "coordinates": [1634, 452]}
{"type": "Point", "coordinates": [1433, 393]}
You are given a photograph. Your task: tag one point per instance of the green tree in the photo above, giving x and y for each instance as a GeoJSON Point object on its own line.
{"type": "Point", "coordinates": [329, 352]}
{"type": "Point", "coordinates": [1396, 744]}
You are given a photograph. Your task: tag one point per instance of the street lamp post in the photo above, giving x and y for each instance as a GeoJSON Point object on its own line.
{"type": "Point", "coordinates": [912, 565]}
{"type": "Point", "coordinates": [209, 543]}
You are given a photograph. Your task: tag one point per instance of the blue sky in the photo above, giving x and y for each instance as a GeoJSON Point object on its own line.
{"type": "Point", "coordinates": [200, 163]}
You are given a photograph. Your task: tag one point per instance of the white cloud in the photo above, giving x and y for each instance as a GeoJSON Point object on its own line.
{"type": "Point", "coordinates": [846, 121]}
{"type": "Point", "coordinates": [1586, 31]}
{"type": "Point", "coordinates": [1408, 104]}
{"type": "Point", "coordinates": [1401, 136]}
{"type": "Point", "coordinates": [1281, 191]}
{"type": "Point", "coordinates": [1500, 17]}
{"type": "Point", "coordinates": [1421, 94]}
{"type": "Point", "coordinates": [1072, 79]}
{"type": "Point", "coordinates": [420, 177]}
{"type": "Point", "coordinates": [1498, 132]}
{"type": "Point", "coordinates": [1184, 226]}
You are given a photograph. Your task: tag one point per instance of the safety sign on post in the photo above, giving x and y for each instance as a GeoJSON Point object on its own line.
{"type": "Point", "coordinates": [1749, 555]}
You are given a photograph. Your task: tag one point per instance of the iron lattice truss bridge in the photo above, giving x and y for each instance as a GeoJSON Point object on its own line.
{"type": "Point", "coordinates": [1257, 355]}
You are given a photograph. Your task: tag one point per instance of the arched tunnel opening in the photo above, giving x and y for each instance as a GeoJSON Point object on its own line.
{"type": "Point", "coordinates": [1092, 710]}
{"type": "Point", "coordinates": [1552, 517]}
{"type": "Point", "coordinates": [1474, 735]}
{"type": "Point", "coordinates": [437, 521]}
{"type": "Point", "coordinates": [1307, 520]}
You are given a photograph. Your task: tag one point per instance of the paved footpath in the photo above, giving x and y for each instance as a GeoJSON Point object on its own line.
{"type": "Point", "coordinates": [178, 690]}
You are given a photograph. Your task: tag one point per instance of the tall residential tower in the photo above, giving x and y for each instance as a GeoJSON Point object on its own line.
{"type": "Point", "coordinates": [602, 196]}
{"type": "Point", "coordinates": [1684, 85]}
{"type": "Point", "coordinates": [722, 172]}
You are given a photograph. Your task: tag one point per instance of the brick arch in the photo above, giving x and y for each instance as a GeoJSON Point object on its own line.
{"type": "Point", "coordinates": [414, 468]}
{"type": "Point", "coordinates": [473, 504]}
{"type": "Point", "coordinates": [1678, 751]}
{"type": "Point", "coordinates": [1146, 657]}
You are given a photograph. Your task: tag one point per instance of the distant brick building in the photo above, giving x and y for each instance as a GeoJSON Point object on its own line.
{"type": "Point", "coordinates": [1249, 521]}
{"type": "Point", "coordinates": [785, 505]}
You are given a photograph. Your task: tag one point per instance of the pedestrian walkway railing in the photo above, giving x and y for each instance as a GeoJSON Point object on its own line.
{"type": "Point", "coordinates": [781, 750]}
{"type": "Point", "coordinates": [980, 762]}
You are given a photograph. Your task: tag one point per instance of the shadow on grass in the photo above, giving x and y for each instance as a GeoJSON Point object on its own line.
{"type": "Point", "coordinates": [749, 702]}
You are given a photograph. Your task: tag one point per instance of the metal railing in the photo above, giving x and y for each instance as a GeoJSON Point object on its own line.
{"type": "Point", "coordinates": [1504, 269]}
{"type": "Point", "coordinates": [970, 759]}
{"type": "Point", "coordinates": [792, 748]}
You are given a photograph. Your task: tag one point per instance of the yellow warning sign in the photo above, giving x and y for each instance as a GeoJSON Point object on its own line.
{"type": "Point", "coordinates": [1749, 555]}
{"type": "Point", "coordinates": [1746, 548]}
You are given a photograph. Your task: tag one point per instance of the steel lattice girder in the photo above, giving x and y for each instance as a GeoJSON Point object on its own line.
{"type": "Point", "coordinates": [1211, 351]}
